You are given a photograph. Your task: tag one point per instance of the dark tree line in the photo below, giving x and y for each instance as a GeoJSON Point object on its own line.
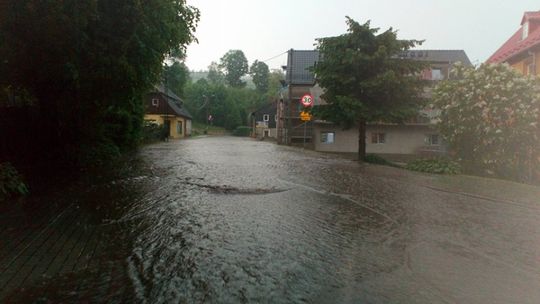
{"type": "Point", "coordinates": [86, 65]}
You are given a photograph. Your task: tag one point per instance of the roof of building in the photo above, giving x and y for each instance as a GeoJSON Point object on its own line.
{"type": "Point", "coordinates": [175, 102]}
{"type": "Point", "coordinates": [516, 45]}
{"type": "Point", "coordinates": [269, 107]}
{"type": "Point", "coordinates": [300, 61]}
{"type": "Point", "coordinates": [438, 56]}
{"type": "Point", "coordinates": [298, 64]}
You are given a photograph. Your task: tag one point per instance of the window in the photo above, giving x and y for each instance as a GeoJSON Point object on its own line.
{"type": "Point", "coordinates": [179, 128]}
{"type": "Point", "coordinates": [436, 74]}
{"type": "Point", "coordinates": [275, 118]}
{"type": "Point", "coordinates": [328, 137]}
{"type": "Point", "coordinates": [266, 117]}
{"type": "Point", "coordinates": [155, 102]}
{"type": "Point", "coordinates": [433, 139]}
{"type": "Point", "coordinates": [378, 138]}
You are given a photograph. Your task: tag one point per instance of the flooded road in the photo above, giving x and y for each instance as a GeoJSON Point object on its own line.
{"type": "Point", "coordinates": [230, 220]}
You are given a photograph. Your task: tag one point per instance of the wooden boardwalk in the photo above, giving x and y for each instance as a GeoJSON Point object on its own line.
{"type": "Point", "coordinates": [38, 248]}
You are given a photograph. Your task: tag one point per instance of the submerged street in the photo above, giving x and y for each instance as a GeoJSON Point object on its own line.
{"type": "Point", "coordinates": [227, 220]}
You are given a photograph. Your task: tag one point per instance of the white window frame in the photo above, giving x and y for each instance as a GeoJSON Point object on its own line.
{"type": "Point", "coordinates": [155, 102]}
{"type": "Point", "coordinates": [325, 138]}
{"type": "Point", "coordinates": [437, 74]}
{"type": "Point", "coordinates": [275, 118]}
{"type": "Point", "coordinates": [266, 117]}
{"type": "Point", "coordinates": [429, 140]}
{"type": "Point", "coordinates": [376, 138]}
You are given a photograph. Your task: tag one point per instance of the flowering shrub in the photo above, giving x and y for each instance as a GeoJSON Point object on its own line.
{"type": "Point", "coordinates": [490, 118]}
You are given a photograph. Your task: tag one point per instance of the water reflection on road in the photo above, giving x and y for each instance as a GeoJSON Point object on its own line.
{"type": "Point", "coordinates": [234, 220]}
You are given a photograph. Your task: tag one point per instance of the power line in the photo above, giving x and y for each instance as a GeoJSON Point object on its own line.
{"type": "Point", "coordinates": [274, 57]}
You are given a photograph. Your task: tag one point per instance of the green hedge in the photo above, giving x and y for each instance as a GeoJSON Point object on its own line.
{"type": "Point", "coordinates": [242, 131]}
{"type": "Point", "coordinates": [378, 160]}
{"type": "Point", "coordinates": [437, 166]}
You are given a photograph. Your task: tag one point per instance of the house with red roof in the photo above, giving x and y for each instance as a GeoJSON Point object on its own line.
{"type": "Point", "coordinates": [522, 50]}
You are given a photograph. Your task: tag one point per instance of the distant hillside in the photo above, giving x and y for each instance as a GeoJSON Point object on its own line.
{"type": "Point", "coordinates": [196, 75]}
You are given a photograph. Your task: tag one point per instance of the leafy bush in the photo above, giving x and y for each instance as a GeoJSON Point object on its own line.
{"type": "Point", "coordinates": [377, 160]}
{"type": "Point", "coordinates": [151, 132]}
{"type": "Point", "coordinates": [11, 182]}
{"type": "Point", "coordinates": [490, 118]}
{"type": "Point", "coordinates": [437, 166]}
{"type": "Point", "coordinates": [242, 131]}
{"type": "Point", "coordinates": [98, 153]}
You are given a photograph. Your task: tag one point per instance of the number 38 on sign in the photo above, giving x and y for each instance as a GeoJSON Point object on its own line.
{"type": "Point", "coordinates": [307, 100]}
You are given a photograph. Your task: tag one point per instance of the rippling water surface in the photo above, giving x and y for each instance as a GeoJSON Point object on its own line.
{"type": "Point", "coordinates": [228, 220]}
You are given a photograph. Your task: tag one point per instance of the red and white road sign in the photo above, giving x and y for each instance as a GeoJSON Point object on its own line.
{"type": "Point", "coordinates": [307, 100]}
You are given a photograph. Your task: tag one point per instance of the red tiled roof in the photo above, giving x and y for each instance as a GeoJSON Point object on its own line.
{"type": "Point", "coordinates": [530, 16]}
{"type": "Point", "coordinates": [515, 45]}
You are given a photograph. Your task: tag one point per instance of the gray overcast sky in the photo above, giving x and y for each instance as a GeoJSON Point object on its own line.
{"type": "Point", "coordinates": [265, 28]}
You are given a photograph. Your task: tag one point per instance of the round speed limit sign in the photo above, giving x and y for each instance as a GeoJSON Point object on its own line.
{"type": "Point", "coordinates": [307, 100]}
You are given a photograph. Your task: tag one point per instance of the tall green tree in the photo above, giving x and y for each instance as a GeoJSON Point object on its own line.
{"type": "Point", "coordinates": [89, 62]}
{"type": "Point", "coordinates": [215, 75]}
{"type": "Point", "coordinates": [365, 80]}
{"type": "Point", "coordinates": [259, 72]}
{"type": "Point", "coordinates": [235, 66]}
{"type": "Point", "coordinates": [176, 77]}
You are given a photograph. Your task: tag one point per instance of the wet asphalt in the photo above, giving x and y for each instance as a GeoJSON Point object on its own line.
{"type": "Point", "coordinates": [235, 220]}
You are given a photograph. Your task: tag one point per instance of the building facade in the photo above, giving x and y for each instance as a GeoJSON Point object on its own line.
{"type": "Point", "coordinates": [264, 121]}
{"type": "Point", "coordinates": [164, 108]}
{"type": "Point", "coordinates": [522, 50]}
{"type": "Point", "coordinates": [299, 81]}
{"type": "Point", "coordinates": [417, 137]}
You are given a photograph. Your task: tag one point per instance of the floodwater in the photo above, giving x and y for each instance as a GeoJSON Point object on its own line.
{"type": "Point", "coordinates": [230, 220]}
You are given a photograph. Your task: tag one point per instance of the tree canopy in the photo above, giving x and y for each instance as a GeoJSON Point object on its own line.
{"type": "Point", "coordinates": [176, 76]}
{"type": "Point", "coordinates": [88, 62]}
{"type": "Point", "coordinates": [490, 117]}
{"type": "Point", "coordinates": [215, 75]}
{"type": "Point", "coordinates": [260, 72]}
{"type": "Point", "coordinates": [364, 78]}
{"type": "Point", "coordinates": [235, 66]}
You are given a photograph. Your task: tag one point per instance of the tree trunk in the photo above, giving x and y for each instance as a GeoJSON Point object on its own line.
{"type": "Point", "coordinates": [361, 140]}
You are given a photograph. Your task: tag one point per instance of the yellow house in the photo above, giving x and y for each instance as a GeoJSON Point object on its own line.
{"type": "Point", "coordinates": [522, 50]}
{"type": "Point", "coordinates": [163, 107]}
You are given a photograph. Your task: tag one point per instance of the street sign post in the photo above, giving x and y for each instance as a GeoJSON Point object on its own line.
{"type": "Point", "coordinates": [307, 100]}
{"type": "Point", "coordinates": [305, 116]}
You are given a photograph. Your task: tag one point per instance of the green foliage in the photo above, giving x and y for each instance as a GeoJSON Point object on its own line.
{"type": "Point", "coordinates": [88, 63]}
{"type": "Point", "coordinates": [228, 106]}
{"type": "Point", "coordinates": [176, 76]}
{"type": "Point", "coordinates": [98, 153]}
{"type": "Point", "coordinates": [235, 66]}
{"type": "Point", "coordinates": [11, 182]}
{"type": "Point", "coordinates": [260, 73]}
{"type": "Point", "coordinates": [489, 117]}
{"type": "Point", "coordinates": [151, 132]}
{"type": "Point", "coordinates": [242, 131]}
{"type": "Point", "coordinates": [365, 79]}
{"type": "Point", "coordinates": [437, 166]}
{"type": "Point", "coordinates": [377, 160]}
{"type": "Point", "coordinates": [215, 75]}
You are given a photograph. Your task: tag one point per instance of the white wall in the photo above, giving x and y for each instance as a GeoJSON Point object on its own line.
{"type": "Point", "coordinates": [400, 139]}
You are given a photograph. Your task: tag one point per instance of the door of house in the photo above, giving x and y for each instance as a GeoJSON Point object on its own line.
{"type": "Point", "coordinates": [266, 133]}
{"type": "Point", "coordinates": [167, 128]}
